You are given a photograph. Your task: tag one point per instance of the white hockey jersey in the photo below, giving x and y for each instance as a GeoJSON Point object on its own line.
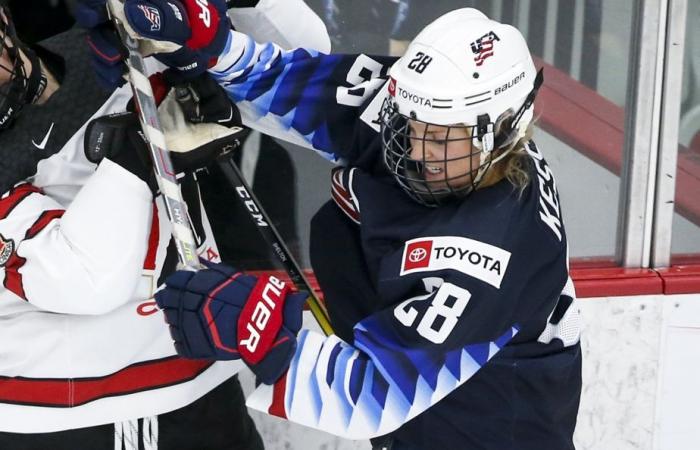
{"type": "Point", "coordinates": [82, 342]}
{"type": "Point", "coordinates": [81, 250]}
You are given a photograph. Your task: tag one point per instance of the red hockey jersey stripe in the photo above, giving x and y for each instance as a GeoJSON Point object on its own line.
{"type": "Point", "coordinates": [153, 239]}
{"type": "Point", "coordinates": [13, 279]}
{"type": "Point", "coordinates": [64, 393]}
{"type": "Point", "coordinates": [343, 196]}
{"type": "Point", "coordinates": [44, 219]}
{"type": "Point", "coordinates": [15, 197]}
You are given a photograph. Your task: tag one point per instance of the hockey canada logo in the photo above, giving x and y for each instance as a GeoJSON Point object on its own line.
{"type": "Point", "coordinates": [152, 15]}
{"type": "Point", "coordinates": [477, 259]}
{"type": "Point", "coordinates": [483, 47]}
{"type": "Point", "coordinates": [7, 246]}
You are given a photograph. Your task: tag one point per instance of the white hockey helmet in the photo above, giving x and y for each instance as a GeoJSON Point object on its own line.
{"type": "Point", "coordinates": [461, 70]}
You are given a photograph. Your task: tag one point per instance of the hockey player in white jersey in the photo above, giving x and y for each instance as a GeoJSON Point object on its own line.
{"type": "Point", "coordinates": [85, 358]}
{"type": "Point", "coordinates": [443, 257]}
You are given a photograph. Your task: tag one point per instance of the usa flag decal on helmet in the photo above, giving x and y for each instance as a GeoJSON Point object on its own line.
{"type": "Point", "coordinates": [483, 47]}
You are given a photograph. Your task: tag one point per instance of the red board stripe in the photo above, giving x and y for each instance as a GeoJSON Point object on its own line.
{"type": "Point", "coordinates": [610, 281]}
{"type": "Point", "coordinates": [63, 393]}
{"type": "Point", "coordinates": [683, 279]}
{"type": "Point", "coordinates": [616, 281]}
{"type": "Point", "coordinates": [15, 197]}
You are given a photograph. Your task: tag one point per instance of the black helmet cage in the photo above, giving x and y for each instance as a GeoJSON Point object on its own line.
{"type": "Point", "coordinates": [21, 87]}
{"type": "Point", "coordinates": [409, 173]}
{"type": "Point", "coordinates": [485, 136]}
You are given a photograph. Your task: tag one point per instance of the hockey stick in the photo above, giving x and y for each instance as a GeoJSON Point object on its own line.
{"type": "Point", "coordinates": [273, 238]}
{"type": "Point", "coordinates": [175, 206]}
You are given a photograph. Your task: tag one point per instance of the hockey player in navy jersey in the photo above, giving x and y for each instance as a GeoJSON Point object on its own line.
{"type": "Point", "coordinates": [442, 255]}
{"type": "Point", "coordinates": [86, 361]}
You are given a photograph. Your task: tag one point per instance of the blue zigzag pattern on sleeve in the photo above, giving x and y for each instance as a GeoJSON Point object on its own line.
{"type": "Point", "coordinates": [287, 85]}
{"type": "Point", "coordinates": [380, 388]}
{"type": "Point", "coordinates": [419, 372]}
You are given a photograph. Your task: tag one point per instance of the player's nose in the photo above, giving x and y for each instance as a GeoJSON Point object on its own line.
{"type": "Point", "coordinates": [423, 150]}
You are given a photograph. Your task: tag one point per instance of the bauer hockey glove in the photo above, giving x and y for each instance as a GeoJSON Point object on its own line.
{"type": "Point", "coordinates": [221, 313]}
{"type": "Point", "coordinates": [106, 50]}
{"type": "Point", "coordinates": [185, 35]}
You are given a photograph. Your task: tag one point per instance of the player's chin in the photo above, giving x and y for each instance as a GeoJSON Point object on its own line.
{"type": "Point", "coordinates": [441, 183]}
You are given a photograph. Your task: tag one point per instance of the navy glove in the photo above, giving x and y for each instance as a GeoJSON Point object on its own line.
{"type": "Point", "coordinates": [107, 52]}
{"type": "Point", "coordinates": [187, 35]}
{"type": "Point", "coordinates": [221, 313]}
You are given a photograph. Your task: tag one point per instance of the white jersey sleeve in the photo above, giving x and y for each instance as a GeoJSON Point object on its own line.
{"type": "Point", "coordinates": [85, 259]}
{"type": "Point", "coordinates": [288, 23]}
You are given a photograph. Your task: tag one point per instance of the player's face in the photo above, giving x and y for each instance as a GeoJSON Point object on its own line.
{"type": "Point", "coordinates": [445, 154]}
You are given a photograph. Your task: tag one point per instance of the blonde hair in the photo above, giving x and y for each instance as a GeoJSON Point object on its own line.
{"type": "Point", "coordinates": [513, 166]}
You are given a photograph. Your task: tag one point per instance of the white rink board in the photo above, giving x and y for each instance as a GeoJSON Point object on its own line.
{"type": "Point", "coordinates": [641, 380]}
{"type": "Point", "coordinates": [679, 387]}
{"type": "Point", "coordinates": [620, 341]}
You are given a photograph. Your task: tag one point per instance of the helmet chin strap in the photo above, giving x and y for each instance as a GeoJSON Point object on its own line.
{"type": "Point", "coordinates": [37, 81]}
{"type": "Point", "coordinates": [485, 139]}
{"type": "Point", "coordinates": [483, 167]}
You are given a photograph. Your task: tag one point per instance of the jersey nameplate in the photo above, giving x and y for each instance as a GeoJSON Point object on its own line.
{"type": "Point", "coordinates": [372, 112]}
{"type": "Point", "coordinates": [477, 259]}
{"type": "Point", "coordinates": [549, 200]}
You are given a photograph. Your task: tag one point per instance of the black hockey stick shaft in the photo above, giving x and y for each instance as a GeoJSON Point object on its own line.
{"type": "Point", "coordinates": [273, 238]}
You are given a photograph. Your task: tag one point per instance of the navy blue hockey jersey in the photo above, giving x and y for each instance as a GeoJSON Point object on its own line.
{"type": "Point", "coordinates": [456, 325]}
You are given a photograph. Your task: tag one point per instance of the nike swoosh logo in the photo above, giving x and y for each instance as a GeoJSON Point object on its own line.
{"type": "Point", "coordinates": [45, 140]}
